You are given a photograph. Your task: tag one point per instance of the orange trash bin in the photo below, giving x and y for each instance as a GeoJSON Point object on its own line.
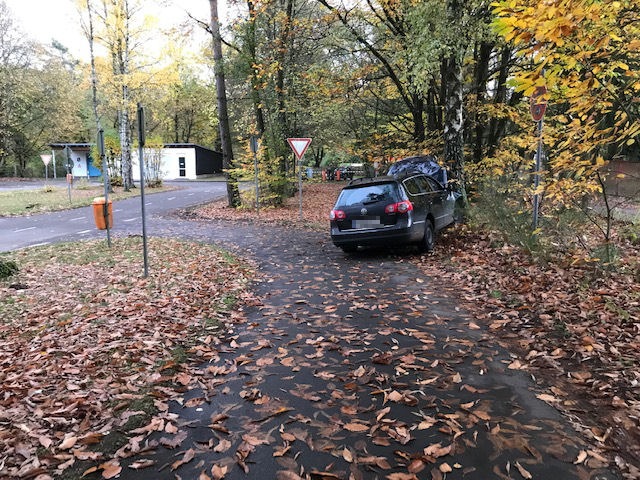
{"type": "Point", "coordinates": [99, 213]}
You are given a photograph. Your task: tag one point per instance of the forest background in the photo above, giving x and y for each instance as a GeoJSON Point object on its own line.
{"type": "Point", "coordinates": [369, 82]}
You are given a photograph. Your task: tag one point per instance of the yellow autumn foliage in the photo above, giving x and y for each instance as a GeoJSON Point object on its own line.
{"type": "Point", "coordinates": [586, 52]}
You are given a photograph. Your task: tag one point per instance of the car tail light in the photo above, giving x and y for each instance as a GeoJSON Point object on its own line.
{"type": "Point", "coordinates": [400, 207]}
{"type": "Point", "coordinates": [337, 215]}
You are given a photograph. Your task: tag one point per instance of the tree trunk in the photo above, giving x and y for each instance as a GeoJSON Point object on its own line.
{"type": "Point", "coordinates": [255, 93]}
{"type": "Point", "coordinates": [417, 111]}
{"type": "Point", "coordinates": [497, 126]}
{"type": "Point", "coordinates": [125, 142]}
{"type": "Point", "coordinates": [483, 56]}
{"type": "Point", "coordinates": [283, 127]}
{"type": "Point", "coordinates": [453, 104]}
{"type": "Point", "coordinates": [454, 126]}
{"type": "Point", "coordinates": [94, 75]}
{"type": "Point", "coordinates": [233, 193]}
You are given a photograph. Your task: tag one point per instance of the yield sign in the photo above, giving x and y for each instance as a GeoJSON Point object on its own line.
{"type": "Point", "coordinates": [299, 146]}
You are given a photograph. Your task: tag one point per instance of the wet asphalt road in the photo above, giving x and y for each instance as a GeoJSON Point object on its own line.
{"type": "Point", "coordinates": [357, 367]}
{"type": "Point", "coordinates": [352, 367]}
{"type": "Point", "coordinates": [78, 223]}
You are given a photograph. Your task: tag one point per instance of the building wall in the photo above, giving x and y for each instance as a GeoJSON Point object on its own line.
{"type": "Point", "coordinates": [171, 161]}
{"type": "Point", "coordinates": [79, 163]}
{"type": "Point", "coordinates": [170, 164]}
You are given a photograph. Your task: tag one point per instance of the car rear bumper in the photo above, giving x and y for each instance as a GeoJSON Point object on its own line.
{"type": "Point", "coordinates": [377, 237]}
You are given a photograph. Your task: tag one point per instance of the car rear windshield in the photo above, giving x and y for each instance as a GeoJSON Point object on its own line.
{"type": "Point", "coordinates": [369, 194]}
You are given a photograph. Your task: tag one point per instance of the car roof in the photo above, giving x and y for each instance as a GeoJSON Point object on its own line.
{"type": "Point", "coordinates": [371, 180]}
{"type": "Point", "coordinates": [358, 182]}
{"type": "Point", "coordinates": [426, 164]}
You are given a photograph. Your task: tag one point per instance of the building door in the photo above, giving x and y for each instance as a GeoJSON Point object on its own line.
{"type": "Point", "coordinates": [182, 166]}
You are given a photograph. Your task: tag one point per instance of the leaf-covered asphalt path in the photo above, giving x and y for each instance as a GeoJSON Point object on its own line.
{"type": "Point", "coordinates": [355, 367]}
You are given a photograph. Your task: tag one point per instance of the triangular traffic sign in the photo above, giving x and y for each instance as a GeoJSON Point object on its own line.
{"type": "Point", "coordinates": [299, 146]}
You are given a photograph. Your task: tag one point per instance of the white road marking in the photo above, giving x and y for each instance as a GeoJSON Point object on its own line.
{"type": "Point", "coordinates": [24, 229]}
{"type": "Point", "coordinates": [84, 232]}
{"type": "Point", "coordinates": [130, 220]}
{"type": "Point", "coordinates": [148, 203]}
{"type": "Point", "coordinates": [118, 210]}
{"type": "Point", "coordinates": [191, 194]}
{"type": "Point", "coordinates": [40, 244]}
{"type": "Point", "coordinates": [171, 198]}
{"type": "Point", "coordinates": [78, 218]}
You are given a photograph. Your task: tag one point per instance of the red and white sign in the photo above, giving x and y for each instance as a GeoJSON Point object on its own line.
{"type": "Point", "coordinates": [299, 146]}
{"type": "Point", "coordinates": [45, 159]}
{"type": "Point", "coordinates": [538, 105]}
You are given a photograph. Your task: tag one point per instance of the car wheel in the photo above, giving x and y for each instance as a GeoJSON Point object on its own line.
{"type": "Point", "coordinates": [429, 239]}
{"type": "Point", "coordinates": [349, 248]}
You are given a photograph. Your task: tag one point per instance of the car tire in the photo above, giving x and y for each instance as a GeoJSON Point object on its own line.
{"type": "Point", "coordinates": [349, 248]}
{"type": "Point", "coordinates": [429, 240]}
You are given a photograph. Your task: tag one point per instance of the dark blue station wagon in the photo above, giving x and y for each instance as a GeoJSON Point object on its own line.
{"type": "Point", "coordinates": [391, 210]}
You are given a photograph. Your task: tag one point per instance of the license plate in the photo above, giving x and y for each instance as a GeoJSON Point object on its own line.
{"type": "Point", "coordinates": [373, 222]}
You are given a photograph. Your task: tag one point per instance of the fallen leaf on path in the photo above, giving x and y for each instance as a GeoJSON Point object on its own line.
{"type": "Point", "coordinates": [186, 458]}
{"type": "Point", "coordinates": [218, 472]}
{"type": "Point", "coordinates": [356, 427]}
{"type": "Point", "coordinates": [144, 463]}
{"type": "Point", "coordinates": [525, 474]}
{"type": "Point", "coordinates": [110, 469]}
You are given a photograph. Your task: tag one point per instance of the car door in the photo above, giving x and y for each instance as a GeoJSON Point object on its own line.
{"type": "Point", "coordinates": [417, 197]}
{"type": "Point", "coordinates": [443, 204]}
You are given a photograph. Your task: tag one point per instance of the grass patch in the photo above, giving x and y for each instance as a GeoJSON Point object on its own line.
{"type": "Point", "coordinates": [230, 301]}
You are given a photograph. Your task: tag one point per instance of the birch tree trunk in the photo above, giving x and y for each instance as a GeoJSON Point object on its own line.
{"type": "Point", "coordinates": [453, 108]}
{"type": "Point", "coordinates": [94, 76]}
{"type": "Point", "coordinates": [233, 194]}
{"type": "Point", "coordinates": [116, 18]}
{"type": "Point", "coordinates": [454, 123]}
{"type": "Point", "coordinates": [125, 142]}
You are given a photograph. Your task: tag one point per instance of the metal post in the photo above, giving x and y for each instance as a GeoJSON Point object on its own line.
{"type": "Point", "coordinates": [69, 165]}
{"type": "Point", "coordinates": [254, 149]}
{"type": "Point", "coordinates": [141, 140]}
{"type": "Point", "coordinates": [53, 155]}
{"type": "Point", "coordinates": [536, 178]}
{"type": "Point", "coordinates": [105, 175]}
{"type": "Point", "coordinates": [300, 183]}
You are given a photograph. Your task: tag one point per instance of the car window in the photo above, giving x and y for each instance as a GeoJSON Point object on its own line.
{"type": "Point", "coordinates": [368, 194]}
{"type": "Point", "coordinates": [412, 186]}
{"type": "Point", "coordinates": [423, 183]}
{"type": "Point", "coordinates": [434, 185]}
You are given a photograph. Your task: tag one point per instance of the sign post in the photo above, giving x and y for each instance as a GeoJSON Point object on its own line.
{"type": "Point", "coordinates": [69, 171]}
{"type": "Point", "coordinates": [254, 149]}
{"type": "Point", "coordinates": [141, 142]}
{"type": "Point", "coordinates": [46, 159]}
{"type": "Point", "coordinates": [105, 175]}
{"type": "Point", "coordinates": [299, 147]}
{"type": "Point", "coordinates": [538, 107]}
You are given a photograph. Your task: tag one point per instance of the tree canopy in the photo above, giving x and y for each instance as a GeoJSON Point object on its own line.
{"type": "Point", "coordinates": [369, 81]}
